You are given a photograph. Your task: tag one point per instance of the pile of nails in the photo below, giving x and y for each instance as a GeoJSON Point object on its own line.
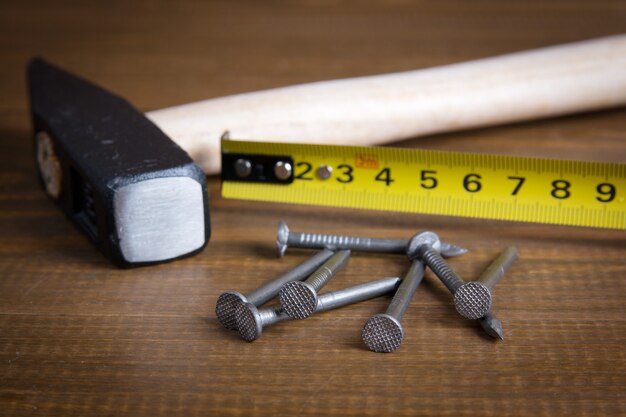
{"type": "Point", "coordinates": [297, 289]}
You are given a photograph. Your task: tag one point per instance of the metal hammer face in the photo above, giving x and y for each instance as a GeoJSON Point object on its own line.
{"type": "Point", "coordinates": [136, 194]}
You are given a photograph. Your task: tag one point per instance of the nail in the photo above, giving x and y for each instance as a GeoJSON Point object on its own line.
{"type": "Point", "coordinates": [229, 300]}
{"type": "Point", "coordinates": [299, 298]}
{"type": "Point", "coordinates": [471, 299]}
{"type": "Point", "coordinates": [337, 242]}
{"type": "Point", "coordinates": [383, 332]}
{"type": "Point", "coordinates": [251, 321]}
{"type": "Point", "coordinates": [489, 278]}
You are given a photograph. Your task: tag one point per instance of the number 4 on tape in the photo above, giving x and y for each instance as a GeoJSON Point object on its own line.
{"type": "Point", "coordinates": [526, 189]}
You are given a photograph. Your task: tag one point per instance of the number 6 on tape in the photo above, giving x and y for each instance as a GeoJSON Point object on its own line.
{"type": "Point", "coordinates": [526, 189]}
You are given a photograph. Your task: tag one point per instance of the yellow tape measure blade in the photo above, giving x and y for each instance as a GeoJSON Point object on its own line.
{"type": "Point", "coordinates": [576, 193]}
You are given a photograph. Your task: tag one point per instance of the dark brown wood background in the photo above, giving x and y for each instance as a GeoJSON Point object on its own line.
{"type": "Point", "coordinates": [79, 337]}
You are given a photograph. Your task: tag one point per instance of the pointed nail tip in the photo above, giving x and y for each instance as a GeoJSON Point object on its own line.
{"type": "Point", "coordinates": [454, 251]}
{"type": "Point", "coordinates": [496, 331]}
{"type": "Point", "coordinates": [495, 334]}
{"type": "Point", "coordinates": [492, 326]}
{"type": "Point", "coordinates": [499, 333]}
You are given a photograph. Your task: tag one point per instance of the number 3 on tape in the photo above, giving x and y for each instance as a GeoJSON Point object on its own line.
{"type": "Point", "coordinates": [537, 190]}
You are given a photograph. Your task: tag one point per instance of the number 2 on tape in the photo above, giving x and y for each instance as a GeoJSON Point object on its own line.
{"type": "Point", "coordinates": [537, 190]}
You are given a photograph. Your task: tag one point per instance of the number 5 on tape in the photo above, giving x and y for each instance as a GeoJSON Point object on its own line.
{"type": "Point", "coordinates": [537, 190]}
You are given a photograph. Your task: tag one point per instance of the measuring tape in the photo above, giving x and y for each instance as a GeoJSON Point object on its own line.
{"type": "Point", "coordinates": [526, 189]}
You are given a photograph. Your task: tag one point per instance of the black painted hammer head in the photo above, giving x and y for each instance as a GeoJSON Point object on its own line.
{"type": "Point", "coordinates": [135, 193]}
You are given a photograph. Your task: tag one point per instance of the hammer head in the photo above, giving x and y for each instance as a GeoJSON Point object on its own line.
{"type": "Point", "coordinates": [136, 194]}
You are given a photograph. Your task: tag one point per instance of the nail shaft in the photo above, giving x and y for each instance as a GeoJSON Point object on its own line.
{"type": "Point", "coordinates": [407, 289]}
{"type": "Point", "coordinates": [314, 240]}
{"type": "Point", "coordinates": [496, 270]}
{"type": "Point", "coordinates": [351, 295]}
{"type": "Point", "coordinates": [272, 315]}
{"type": "Point", "coordinates": [324, 273]}
{"type": "Point", "coordinates": [440, 267]}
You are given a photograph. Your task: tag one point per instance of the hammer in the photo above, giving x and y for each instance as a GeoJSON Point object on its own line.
{"type": "Point", "coordinates": [135, 194]}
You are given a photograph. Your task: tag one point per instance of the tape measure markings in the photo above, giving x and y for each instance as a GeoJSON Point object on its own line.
{"type": "Point", "coordinates": [449, 183]}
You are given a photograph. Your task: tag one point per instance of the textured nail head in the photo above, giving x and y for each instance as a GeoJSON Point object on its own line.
{"type": "Point", "coordinates": [472, 300]}
{"type": "Point", "coordinates": [281, 239]}
{"type": "Point", "coordinates": [248, 321]}
{"type": "Point", "coordinates": [225, 308]}
{"type": "Point", "coordinates": [298, 299]}
{"type": "Point", "coordinates": [382, 333]}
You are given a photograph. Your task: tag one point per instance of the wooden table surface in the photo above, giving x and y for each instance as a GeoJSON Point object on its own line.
{"type": "Point", "coordinates": [79, 337]}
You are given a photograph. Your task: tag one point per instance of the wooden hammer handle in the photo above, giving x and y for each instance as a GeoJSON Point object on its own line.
{"type": "Point", "coordinates": [382, 108]}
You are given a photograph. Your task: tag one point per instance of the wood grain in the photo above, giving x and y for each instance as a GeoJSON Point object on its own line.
{"type": "Point", "coordinates": [79, 337]}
